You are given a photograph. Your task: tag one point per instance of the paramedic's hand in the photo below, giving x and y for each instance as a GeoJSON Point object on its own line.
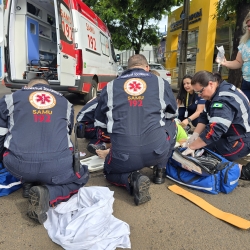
{"type": "Point", "coordinates": [189, 151]}
{"type": "Point", "coordinates": [192, 138]}
{"type": "Point", "coordinates": [184, 145]}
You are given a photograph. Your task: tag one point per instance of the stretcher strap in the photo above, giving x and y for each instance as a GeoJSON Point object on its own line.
{"type": "Point", "coordinates": [230, 218]}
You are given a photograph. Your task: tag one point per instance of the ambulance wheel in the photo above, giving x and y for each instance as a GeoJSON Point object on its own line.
{"type": "Point", "coordinates": [92, 92]}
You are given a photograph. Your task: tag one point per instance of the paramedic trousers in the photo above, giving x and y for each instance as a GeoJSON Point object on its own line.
{"type": "Point", "coordinates": [56, 172]}
{"type": "Point", "coordinates": [231, 149]}
{"type": "Point", "coordinates": [132, 153]}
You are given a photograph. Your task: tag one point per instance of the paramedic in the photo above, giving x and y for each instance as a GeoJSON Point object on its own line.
{"type": "Point", "coordinates": [224, 125]}
{"type": "Point", "coordinates": [181, 139]}
{"type": "Point", "coordinates": [99, 138]}
{"type": "Point", "coordinates": [133, 108]}
{"type": "Point", "coordinates": [35, 125]}
{"type": "Point", "coordinates": [86, 117]}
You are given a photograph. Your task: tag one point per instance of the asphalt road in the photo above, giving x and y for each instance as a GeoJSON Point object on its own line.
{"type": "Point", "coordinates": [168, 221]}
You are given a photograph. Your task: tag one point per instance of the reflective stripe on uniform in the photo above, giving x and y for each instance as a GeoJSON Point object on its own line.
{"type": "Point", "coordinates": [170, 116]}
{"type": "Point", "coordinates": [99, 124]}
{"type": "Point", "coordinates": [243, 109]}
{"type": "Point", "coordinates": [205, 110]}
{"type": "Point", "coordinates": [69, 108]}
{"type": "Point", "coordinates": [10, 107]}
{"type": "Point", "coordinates": [3, 131]}
{"type": "Point", "coordinates": [233, 88]}
{"type": "Point", "coordinates": [161, 98]}
{"type": "Point", "coordinates": [110, 106]}
{"type": "Point", "coordinates": [220, 120]}
{"type": "Point", "coordinates": [82, 113]}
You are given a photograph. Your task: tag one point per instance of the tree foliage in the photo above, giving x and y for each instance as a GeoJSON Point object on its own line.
{"type": "Point", "coordinates": [239, 8]}
{"type": "Point", "coordinates": [130, 21]}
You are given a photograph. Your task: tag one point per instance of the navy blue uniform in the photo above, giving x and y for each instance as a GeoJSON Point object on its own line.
{"type": "Point", "coordinates": [35, 128]}
{"type": "Point", "coordinates": [193, 101]}
{"type": "Point", "coordinates": [87, 116]}
{"type": "Point", "coordinates": [133, 108]}
{"type": "Point", "coordinates": [227, 121]}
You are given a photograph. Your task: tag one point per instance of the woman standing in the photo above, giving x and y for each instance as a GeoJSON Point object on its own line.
{"type": "Point", "coordinates": [190, 105]}
{"type": "Point", "coordinates": [242, 58]}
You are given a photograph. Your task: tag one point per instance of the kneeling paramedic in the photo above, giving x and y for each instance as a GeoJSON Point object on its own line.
{"type": "Point", "coordinates": [35, 124]}
{"type": "Point", "coordinates": [224, 125]}
{"type": "Point", "coordinates": [99, 139]}
{"type": "Point", "coordinates": [132, 108]}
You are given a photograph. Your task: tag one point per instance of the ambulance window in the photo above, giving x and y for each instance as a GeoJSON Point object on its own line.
{"type": "Point", "coordinates": [105, 45]}
{"type": "Point", "coordinates": [32, 28]}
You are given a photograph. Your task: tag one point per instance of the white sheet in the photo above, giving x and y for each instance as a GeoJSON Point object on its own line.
{"type": "Point", "coordinates": [86, 222]}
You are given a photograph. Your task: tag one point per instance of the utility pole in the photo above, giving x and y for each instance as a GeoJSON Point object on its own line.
{"type": "Point", "coordinates": [184, 42]}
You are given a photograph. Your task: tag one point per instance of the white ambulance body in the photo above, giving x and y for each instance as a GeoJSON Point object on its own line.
{"type": "Point", "coordinates": [61, 40]}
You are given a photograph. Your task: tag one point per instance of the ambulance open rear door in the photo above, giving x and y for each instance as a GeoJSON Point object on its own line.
{"type": "Point", "coordinates": [66, 51]}
{"type": "Point", "coordinates": [1, 41]}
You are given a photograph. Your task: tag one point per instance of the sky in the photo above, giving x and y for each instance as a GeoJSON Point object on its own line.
{"type": "Point", "coordinates": [164, 21]}
{"type": "Point", "coordinates": [163, 24]}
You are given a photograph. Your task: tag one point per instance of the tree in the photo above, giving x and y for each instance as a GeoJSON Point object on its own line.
{"type": "Point", "coordinates": [130, 21]}
{"type": "Point", "coordinates": [240, 8]}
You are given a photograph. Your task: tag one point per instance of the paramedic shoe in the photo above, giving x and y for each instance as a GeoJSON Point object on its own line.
{"type": "Point", "coordinates": [140, 185]}
{"type": "Point", "coordinates": [38, 203]}
{"type": "Point", "coordinates": [159, 175]}
{"type": "Point", "coordinates": [245, 172]}
{"type": "Point", "coordinates": [93, 147]}
{"type": "Point", "coordinates": [26, 189]}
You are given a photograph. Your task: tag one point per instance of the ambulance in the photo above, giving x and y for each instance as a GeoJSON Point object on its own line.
{"type": "Point", "coordinates": [63, 41]}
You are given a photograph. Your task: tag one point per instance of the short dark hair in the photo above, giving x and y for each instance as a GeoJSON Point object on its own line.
{"type": "Point", "coordinates": [137, 60]}
{"type": "Point", "coordinates": [37, 80]}
{"type": "Point", "coordinates": [203, 77]}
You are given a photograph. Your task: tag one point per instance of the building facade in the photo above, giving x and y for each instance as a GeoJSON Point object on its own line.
{"type": "Point", "coordinates": [205, 33]}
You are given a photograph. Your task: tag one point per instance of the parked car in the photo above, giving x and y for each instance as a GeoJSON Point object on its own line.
{"type": "Point", "coordinates": [121, 68]}
{"type": "Point", "coordinates": [155, 66]}
{"type": "Point", "coordinates": [161, 70]}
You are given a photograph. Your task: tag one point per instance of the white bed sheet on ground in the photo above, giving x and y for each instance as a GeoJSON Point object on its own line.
{"type": "Point", "coordinates": [85, 221]}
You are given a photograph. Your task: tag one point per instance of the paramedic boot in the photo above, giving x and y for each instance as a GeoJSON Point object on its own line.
{"type": "Point", "coordinates": [38, 203]}
{"type": "Point", "coordinates": [159, 175]}
{"type": "Point", "coordinates": [26, 189]}
{"type": "Point", "coordinates": [93, 147]}
{"type": "Point", "coordinates": [140, 185]}
{"type": "Point", "coordinates": [245, 172]}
